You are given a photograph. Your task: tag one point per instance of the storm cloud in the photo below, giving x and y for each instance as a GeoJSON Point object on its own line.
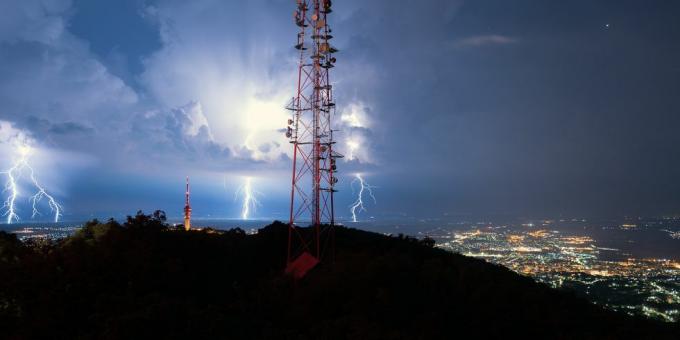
{"type": "Point", "coordinates": [466, 107]}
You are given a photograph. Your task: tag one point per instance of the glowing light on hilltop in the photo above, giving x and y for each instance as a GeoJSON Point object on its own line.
{"type": "Point", "coordinates": [13, 174]}
{"type": "Point", "coordinates": [358, 205]}
{"type": "Point", "coordinates": [248, 197]}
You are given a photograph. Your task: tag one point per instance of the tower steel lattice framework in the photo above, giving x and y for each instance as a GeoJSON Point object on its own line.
{"type": "Point", "coordinates": [311, 134]}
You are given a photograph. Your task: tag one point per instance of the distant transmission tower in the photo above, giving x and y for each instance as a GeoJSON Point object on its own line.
{"type": "Point", "coordinates": [310, 132]}
{"type": "Point", "coordinates": [187, 209]}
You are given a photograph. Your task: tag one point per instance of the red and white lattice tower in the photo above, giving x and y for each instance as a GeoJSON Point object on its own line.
{"type": "Point", "coordinates": [187, 208]}
{"type": "Point", "coordinates": [310, 133]}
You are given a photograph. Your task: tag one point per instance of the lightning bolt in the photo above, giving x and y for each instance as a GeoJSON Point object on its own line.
{"type": "Point", "coordinates": [249, 198]}
{"type": "Point", "coordinates": [54, 206]}
{"type": "Point", "coordinates": [13, 175]}
{"type": "Point", "coordinates": [359, 203]}
{"type": "Point", "coordinates": [11, 186]}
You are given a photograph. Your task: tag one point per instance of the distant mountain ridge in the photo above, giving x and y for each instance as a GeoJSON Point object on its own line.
{"type": "Point", "coordinates": [145, 279]}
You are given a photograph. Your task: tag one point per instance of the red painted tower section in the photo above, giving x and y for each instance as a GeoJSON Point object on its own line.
{"type": "Point", "coordinates": [310, 133]}
{"type": "Point", "coordinates": [187, 209]}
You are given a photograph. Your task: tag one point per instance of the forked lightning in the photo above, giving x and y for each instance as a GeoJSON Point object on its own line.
{"type": "Point", "coordinates": [358, 205]}
{"type": "Point", "coordinates": [14, 173]}
{"type": "Point", "coordinates": [249, 197]}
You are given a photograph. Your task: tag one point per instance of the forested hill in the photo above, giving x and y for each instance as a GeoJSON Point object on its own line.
{"type": "Point", "coordinates": [144, 279]}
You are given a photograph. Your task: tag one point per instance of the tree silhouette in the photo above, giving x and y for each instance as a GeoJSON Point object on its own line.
{"type": "Point", "coordinates": [142, 278]}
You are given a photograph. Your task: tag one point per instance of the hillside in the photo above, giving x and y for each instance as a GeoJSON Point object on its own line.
{"type": "Point", "coordinates": [144, 279]}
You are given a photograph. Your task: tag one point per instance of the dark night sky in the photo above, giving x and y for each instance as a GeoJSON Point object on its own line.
{"type": "Point", "coordinates": [521, 107]}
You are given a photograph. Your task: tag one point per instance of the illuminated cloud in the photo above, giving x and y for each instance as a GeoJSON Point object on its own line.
{"type": "Point", "coordinates": [354, 115]}
{"type": "Point", "coordinates": [12, 137]}
{"type": "Point", "coordinates": [242, 85]}
{"type": "Point", "coordinates": [356, 133]}
{"type": "Point", "coordinates": [52, 85]}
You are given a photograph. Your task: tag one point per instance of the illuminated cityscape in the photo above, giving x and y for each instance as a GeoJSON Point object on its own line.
{"type": "Point", "coordinates": [51, 232]}
{"type": "Point", "coordinates": [607, 276]}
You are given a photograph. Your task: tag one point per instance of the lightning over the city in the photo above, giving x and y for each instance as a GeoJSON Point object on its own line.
{"type": "Point", "coordinates": [248, 197]}
{"type": "Point", "coordinates": [20, 167]}
{"type": "Point", "coordinates": [358, 205]}
{"type": "Point", "coordinates": [11, 187]}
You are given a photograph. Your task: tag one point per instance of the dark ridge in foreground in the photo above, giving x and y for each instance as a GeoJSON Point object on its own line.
{"type": "Point", "coordinates": [144, 279]}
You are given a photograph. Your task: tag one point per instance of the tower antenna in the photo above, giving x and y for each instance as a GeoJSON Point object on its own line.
{"type": "Point", "coordinates": [314, 160]}
{"type": "Point", "coordinates": [187, 209]}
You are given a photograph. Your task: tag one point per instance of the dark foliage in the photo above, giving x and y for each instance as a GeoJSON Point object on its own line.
{"type": "Point", "coordinates": [143, 279]}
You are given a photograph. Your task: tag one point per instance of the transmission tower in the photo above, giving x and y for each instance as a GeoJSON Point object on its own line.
{"type": "Point", "coordinates": [187, 208]}
{"type": "Point", "coordinates": [310, 133]}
